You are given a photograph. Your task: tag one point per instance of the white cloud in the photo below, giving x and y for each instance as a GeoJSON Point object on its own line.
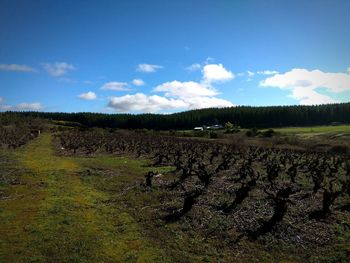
{"type": "Point", "coordinates": [216, 73]}
{"type": "Point", "coordinates": [207, 102]}
{"type": "Point", "coordinates": [29, 106]}
{"type": "Point", "coordinates": [185, 89]}
{"type": "Point", "coordinates": [116, 86]}
{"type": "Point", "coordinates": [36, 106]}
{"type": "Point", "coordinates": [336, 82]}
{"type": "Point", "coordinates": [142, 103]}
{"type": "Point", "coordinates": [58, 69]}
{"type": "Point", "coordinates": [304, 84]}
{"type": "Point", "coordinates": [310, 97]}
{"type": "Point", "coordinates": [178, 95]}
{"type": "Point", "coordinates": [209, 60]}
{"type": "Point", "coordinates": [148, 68]}
{"type": "Point", "coordinates": [1, 100]}
{"type": "Point", "coordinates": [87, 96]}
{"type": "Point", "coordinates": [194, 67]}
{"type": "Point", "coordinates": [267, 72]}
{"type": "Point", "coordinates": [138, 82]}
{"type": "Point", "coordinates": [17, 67]}
{"type": "Point", "coordinates": [250, 74]}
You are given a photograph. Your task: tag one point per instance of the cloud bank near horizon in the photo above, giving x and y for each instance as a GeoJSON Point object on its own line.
{"type": "Point", "coordinates": [178, 95]}
{"type": "Point", "coordinates": [305, 85]}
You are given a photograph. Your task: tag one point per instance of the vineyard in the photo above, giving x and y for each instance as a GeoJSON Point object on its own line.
{"type": "Point", "coordinates": [197, 199]}
{"type": "Point", "coordinates": [234, 194]}
{"type": "Point", "coordinates": [181, 131]}
{"type": "Point", "coordinates": [14, 137]}
{"type": "Point", "coordinates": [16, 131]}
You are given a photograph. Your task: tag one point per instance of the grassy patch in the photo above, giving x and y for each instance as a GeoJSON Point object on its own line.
{"type": "Point", "coordinates": [96, 209]}
{"type": "Point", "coordinates": [315, 129]}
{"type": "Point", "coordinates": [55, 216]}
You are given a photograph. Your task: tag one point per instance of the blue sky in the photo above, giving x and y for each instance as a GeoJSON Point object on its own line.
{"type": "Point", "coordinates": [169, 56]}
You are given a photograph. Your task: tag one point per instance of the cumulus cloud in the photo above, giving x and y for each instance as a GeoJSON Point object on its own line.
{"type": "Point", "coordinates": [336, 82]}
{"type": "Point", "coordinates": [310, 96]}
{"type": "Point", "coordinates": [304, 84]}
{"type": "Point", "coordinates": [178, 95]}
{"type": "Point", "coordinates": [36, 106]}
{"type": "Point", "coordinates": [250, 74]}
{"type": "Point", "coordinates": [87, 96]}
{"type": "Point", "coordinates": [185, 89]}
{"type": "Point", "coordinates": [207, 102]}
{"type": "Point", "coordinates": [194, 67]}
{"type": "Point", "coordinates": [29, 106]}
{"type": "Point", "coordinates": [142, 103]}
{"type": "Point", "coordinates": [267, 72]}
{"type": "Point", "coordinates": [116, 86]}
{"type": "Point", "coordinates": [138, 82]}
{"type": "Point", "coordinates": [216, 73]}
{"type": "Point", "coordinates": [17, 68]}
{"type": "Point", "coordinates": [58, 69]}
{"type": "Point", "coordinates": [148, 68]}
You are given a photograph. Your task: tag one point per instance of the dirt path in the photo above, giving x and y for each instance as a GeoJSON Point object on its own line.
{"type": "Point", "coordinates": [55, 216]}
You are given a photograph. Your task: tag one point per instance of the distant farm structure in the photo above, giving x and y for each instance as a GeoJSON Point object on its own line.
{"type": "Point", "coordinates": [212, 127]}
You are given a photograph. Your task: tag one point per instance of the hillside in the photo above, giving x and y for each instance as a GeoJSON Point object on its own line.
{"type": "Point", "coordinates": [243, 116]}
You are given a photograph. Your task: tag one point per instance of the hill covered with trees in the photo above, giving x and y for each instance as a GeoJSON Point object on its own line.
{"type": "Point", "coordinates": [243, 116]}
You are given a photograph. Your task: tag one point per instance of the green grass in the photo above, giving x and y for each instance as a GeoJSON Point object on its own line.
{"type": "Point", "coordinates": [57, 216]}
{"type": "Point", "coordinates": [94, 209]}
{"type": "Point", "coordinates": [315, 129]}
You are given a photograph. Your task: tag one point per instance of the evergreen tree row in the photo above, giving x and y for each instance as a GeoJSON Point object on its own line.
{"type": "Point", "coordinates": [243, 116]}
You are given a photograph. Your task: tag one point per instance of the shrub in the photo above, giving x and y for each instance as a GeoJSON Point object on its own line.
{"type": "Point", "coordinates": [228, 127]}
{"type": "Point", "coordinates": [268, 133]}
{"type": "Point", "coordinates": [213, 135]}
{"type": "Point", "coordinates": [339, 149]}
{"type": "Point", "coordinates": [235, 130]}
{"type": "Point", "coordinates": [252, 132]}
{"type": "Point", "coordinates": [195, 134]}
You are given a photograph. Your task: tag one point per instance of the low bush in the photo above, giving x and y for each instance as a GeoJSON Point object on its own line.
{"type": "Point", "coordinates": [252, 132]}
{"type": "Point", "coordinates": [339, 149]}
{"type": "Point", "coordinates": [268, 133]}
{"type": "Point", "coordinates": [213, 135]}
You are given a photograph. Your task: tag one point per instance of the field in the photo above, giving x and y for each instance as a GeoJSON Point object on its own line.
{"type": "Point", "coordinates": [316, 129]}
{"type": "Point", "coordinates": [123, 196]}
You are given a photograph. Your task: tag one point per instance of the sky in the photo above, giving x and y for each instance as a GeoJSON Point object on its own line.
{"type": "Point", "coordinates": [164, 56]}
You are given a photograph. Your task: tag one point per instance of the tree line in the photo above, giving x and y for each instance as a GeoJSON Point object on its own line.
{"type": "Point", "coordinates": [243, 116]}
